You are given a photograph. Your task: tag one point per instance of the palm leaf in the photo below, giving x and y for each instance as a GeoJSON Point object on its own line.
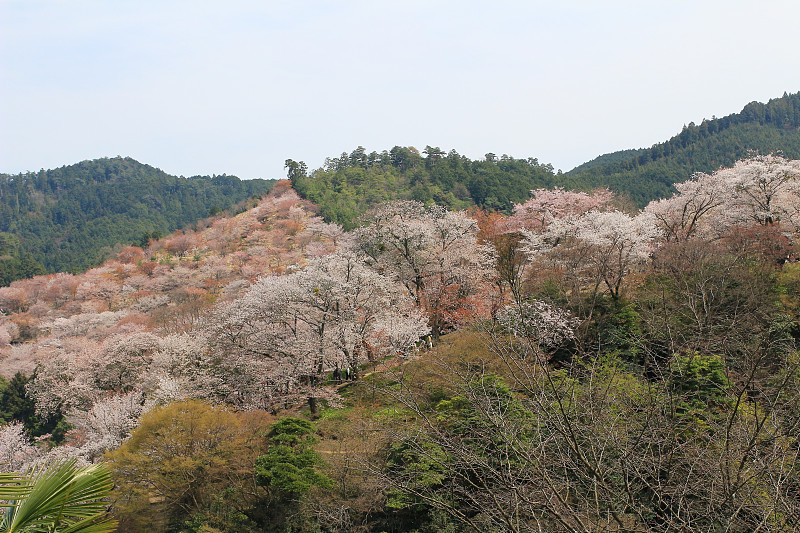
{"type": "Point", "coordinates": [13, 485]}
{"type": "Point", "coordinates": [63, 498]}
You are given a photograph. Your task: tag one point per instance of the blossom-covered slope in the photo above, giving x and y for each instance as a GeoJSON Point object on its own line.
{"type": "Point", "coordinates": [658, 347]}
{"type": "Point", "coordinates": [251, 311]}
{"type": "Point", "coordinates": [161, 289]}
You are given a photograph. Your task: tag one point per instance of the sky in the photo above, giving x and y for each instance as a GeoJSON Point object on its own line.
{"type": "Point", "coordinates": [239, 86]}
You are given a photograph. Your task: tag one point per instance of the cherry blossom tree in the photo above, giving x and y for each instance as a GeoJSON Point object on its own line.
{"type": "Point", "coordinates": [334, 313]}
{"type": "Point", "coordinates": [318, 227]}
{"type": "Point", "coordinates": [130, 255]}
{"type": "Point", "coordinates": [535, 215]}
{"type": "Point", "coordinates": [548, 326]}
{"type": "Point", "coordinates": [183, 367]}
{"type": "Point", "coordinates": [108, 423]}
{"type": "Point", "coordinates": [60, 288]}
{"type": "Point", "coordinates": [432, 252]}
{"type": "Point", "coordinates": [681, 216]}
{"type": "Point", "coordinates": [13, 300]}
{"type": "Point", "coordinates": [76, 372]}
{"type": "Point", "coordinates": [63, 383]}
{"type": "Point", "coordinates": [762, 190]}
{"type": "Point", "coordinates": [16, 450]}
{"type": "Point", "coordinates": [598, 248]}
{"type": "Point", "coordinates": [123, 361]}
{"type": "Point", "coordinates": [8, 332]}
{"type": "Point", "coordinates": [510, 262]}
{"type": "Point", "coordinates": [182, 243]}
{"type": "Point", "coordinates": [547, 205]}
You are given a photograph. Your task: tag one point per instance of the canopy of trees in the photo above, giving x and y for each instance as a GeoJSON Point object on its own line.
{"type": "Point", "coordinates": [648, 174]}
{"type": "Point", "coordinates": [589, 368]}
{"type": "Point", "coordinates": [67, 219]}
{"type": "Point", "coordinates": [349, 185]}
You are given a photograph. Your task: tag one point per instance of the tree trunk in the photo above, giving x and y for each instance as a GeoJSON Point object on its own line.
{"type": "Point", "coordinates": [312, 404]}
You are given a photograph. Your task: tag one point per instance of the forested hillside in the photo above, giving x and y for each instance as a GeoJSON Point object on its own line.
{"type": "Point", "coordinates": [68, 218]}
{"type": "Point", "coordinates": [346, 186]}
{"type": "Point", "coordinates": [648, 173]}
{"type": "Point", "coordinates": [588, 368]}
{"type": "Point", "coordinates": [14, 262]}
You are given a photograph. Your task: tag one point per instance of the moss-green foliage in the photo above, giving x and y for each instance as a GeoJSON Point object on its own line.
{"type": "Point", "coordinates": [649, 173]}
{"type": "Point", "coordinates": [700, 384]}
{"type": "Point", "coordinates": [65, 217]}
{"type": "Point", "coordinates": [618, 329]}
{"type": "Point", "coordinates": [349, 185]}
{"type": "Point", "coordinates": [289, 467]}
{"type": "Point", "coordinates": [189, 467]}
{"type": "Point", "coordinates": [424, 463]}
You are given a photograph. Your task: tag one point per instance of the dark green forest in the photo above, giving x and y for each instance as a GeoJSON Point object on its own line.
{"type": "Point", "coordinates": [648, 173]}
{"type": "Point", "coordinates": [15, 263]}
{"type": "Point", "coordinates": [66, 219]}
{"type": "Point", "coordinates": [348, 185]}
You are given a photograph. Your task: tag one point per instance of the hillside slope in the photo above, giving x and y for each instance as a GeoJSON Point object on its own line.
{"type": "Point", "coordinates": [164, 287]}
{"type": "Point", "coordinates": [647, 174]}
{"type": "Point", "coordinates": [200, 341]}
{"type": "Point", "coordinates": [65, 217]}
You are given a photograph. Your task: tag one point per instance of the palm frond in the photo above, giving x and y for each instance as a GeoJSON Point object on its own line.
{"type": "Point", "coordinates": [13, 485]}
{"type": "Point", "coordinates": [63, 498]}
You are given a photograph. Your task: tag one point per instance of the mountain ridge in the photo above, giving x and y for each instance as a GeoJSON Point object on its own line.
{"type": "Point", "coordinates": [69, 218]}
{"type": "Point", "coordinates": [648, 173]}
{"type": "Point", "coordinates": [65, 217]}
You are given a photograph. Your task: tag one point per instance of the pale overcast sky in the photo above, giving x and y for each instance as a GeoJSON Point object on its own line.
{"type": "Point", "coordinates": [238, 86]}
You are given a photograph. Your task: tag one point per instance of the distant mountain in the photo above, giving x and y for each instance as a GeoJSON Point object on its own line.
{"type": "Point", "coordinates": [649, 173]}
{"type": "Point", "coordinates": [67, 219]}
{"type": "Point", "coordinates": [609, 159]}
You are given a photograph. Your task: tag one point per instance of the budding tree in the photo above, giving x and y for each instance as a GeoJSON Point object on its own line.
{"type": "Point", "coordinates": [594, 446]}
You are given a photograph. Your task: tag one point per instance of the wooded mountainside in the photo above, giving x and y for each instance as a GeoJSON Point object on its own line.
{"type": "Point", "coordinates": [589, 368]}
{"type": "Point", "coordinates": [648, 173]}
{"type": "Point", "coordinates": [68, 219]}
{"type": "Point", "coordinates": [347, 185]}
{"type": "Point", "coordinates": [574, 364]}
